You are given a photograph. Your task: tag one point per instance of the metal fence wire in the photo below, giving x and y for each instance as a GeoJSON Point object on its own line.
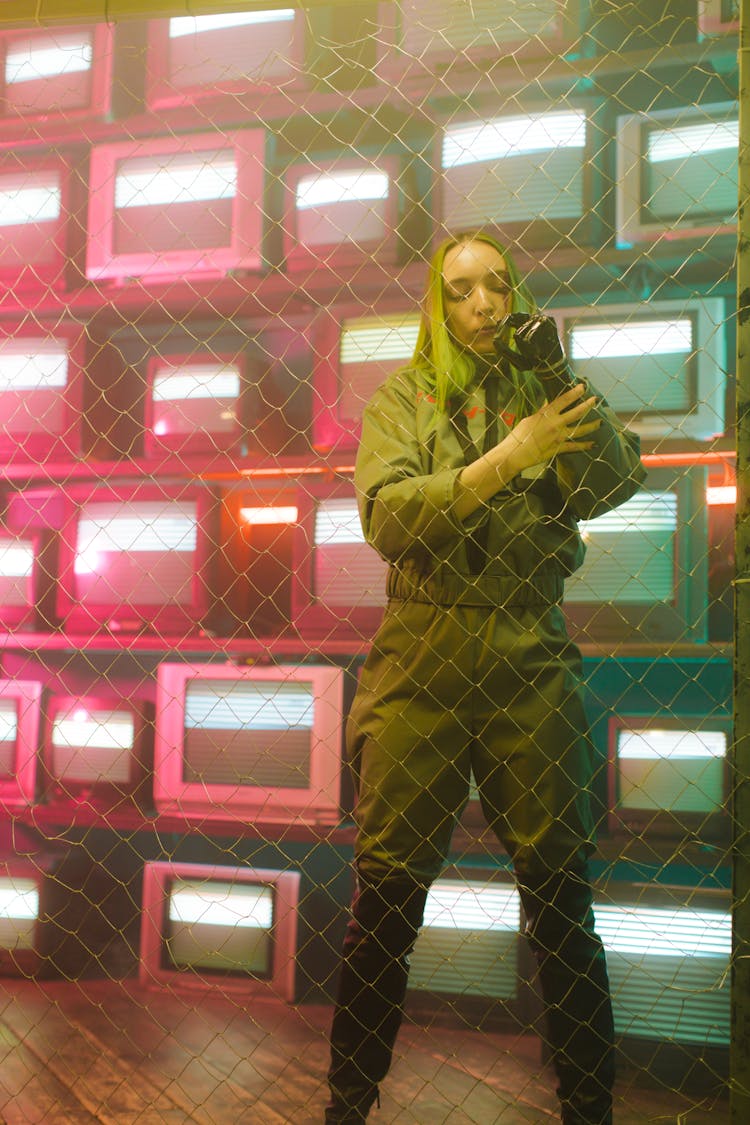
{"type": "Point", "coordinates": [232, 601]}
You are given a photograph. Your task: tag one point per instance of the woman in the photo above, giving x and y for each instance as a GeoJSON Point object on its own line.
{"type": "Point", "coordinates": [471, 476]}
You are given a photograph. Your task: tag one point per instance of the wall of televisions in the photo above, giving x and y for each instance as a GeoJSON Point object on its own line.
{"type": "Point", "coordinates": [212, 245]}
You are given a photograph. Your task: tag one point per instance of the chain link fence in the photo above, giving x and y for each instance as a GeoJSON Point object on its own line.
{"type": "Point", "coordinates": [215, 233]}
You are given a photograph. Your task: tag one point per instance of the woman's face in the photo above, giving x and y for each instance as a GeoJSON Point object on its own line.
{"type": "Point", "coordinates": [477, 294]}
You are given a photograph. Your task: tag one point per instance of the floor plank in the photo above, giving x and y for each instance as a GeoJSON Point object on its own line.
{"type": "Point", "coordinates": [100, 1052]}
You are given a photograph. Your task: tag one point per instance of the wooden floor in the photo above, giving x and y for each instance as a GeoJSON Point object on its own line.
{"type": "Point", "coordinates": [100, 1052]}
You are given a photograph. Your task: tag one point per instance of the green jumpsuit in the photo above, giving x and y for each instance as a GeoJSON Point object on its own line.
{"type": "Point", "coordinates": [472, 670]}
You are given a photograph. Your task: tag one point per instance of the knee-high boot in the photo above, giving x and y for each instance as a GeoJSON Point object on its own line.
{"type": "Point", "coordinates": [575, 988]}
{"type": "Point", "coordinates": [381, 933]}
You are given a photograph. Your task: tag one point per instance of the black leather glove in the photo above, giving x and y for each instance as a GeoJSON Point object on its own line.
{"type": "Point", "coordinates": [535, 338]}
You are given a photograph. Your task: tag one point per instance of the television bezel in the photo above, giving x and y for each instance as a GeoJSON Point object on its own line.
{"type": "Point", "coordinates": [685, 618]}
{"type": "Point", "coordinates": [20, 791]}
{"type": "Point", "coordinates": [309, 616]}
{"type": "Point", "coordinates": [245, 252]}
{"type": "Point", "coordinates": [161, 93]}
{"type": "Point", "coordinates": [158, 877]}
{"type": "Point", "coordinates": [333, 255]}
{"type": "Point", "coordinates": [166, 619]}
{"type": "Point", "coordinates": [631, 227]}
{"type": "Point", "coordinates": [98, 102]}
{"type": "Point", "coordinates": [318, 804]}
{"type": "Point", "coordinates": [663, 824]}
{"type": "Point", "coordinates": [99, 793]}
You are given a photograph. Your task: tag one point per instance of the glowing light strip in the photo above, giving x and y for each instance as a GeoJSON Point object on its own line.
{"type": "Point", "coordinates": [340, 187]}
{"type": "Point", "coordinates": [683, 141]}
{"type": "Point", "coordinates": [238, 705]}
{"type": "Point", "coordinates": [39, 204]}
{"type": "Point", "coordinates": [717, 494]}
{"type": "Point", "coordinates": [657, 932]}
{"type": "Point", "coordinates": [337, 521]}
{"type": "Point", "coordinates": [197, 380]}
{"type": "Point", "coordinates": [645, 512]}
{"type": "Point", "coordinates": [512, 136]}
{"type": "Point", "coordinates": [366, 342]}
{"type": "Point", "coordinates": [19, 899]}
{"type": "Point", "coordinates": [632, 338]}
{"type": "Point", "coordinates": [193, 25]}
{"type": "Point", "coordinates": [169, 179]}
{"type": "Point", "coordinates": [671, 744]}
{"type": "Point", "coordinates": [106, 730]}
{"type": "Point", "coordinates": [460, 906]}
{"type": "Point", "coordinates": [30, 60]}
{"type": "Point", "coordinates": [16, 560]}
{"type": "Point", "coordinates": [271, 515]}
{"type": "Point", "coordinates": [8, 721]}
{"type": "Point", "coordinates": [30, 371]}
{"type": "Point", "coordinates": [221, 904]}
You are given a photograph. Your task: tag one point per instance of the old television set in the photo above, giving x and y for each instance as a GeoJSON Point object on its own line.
{"type": "Point", "coordinates": [669, 776]}
{"type": "Point", "coordinates": [668, 955]}
{"type": "Point", "coordinates": [470, 942]}
{"type": "Point", "coordinates": [661, 365]}
{"type": "Point", "coordinates": [355, 354]}
{"type": "Point", "coordinates": [137, 557]}
{"type": "Point", "coordinates": [41, 391]}
{"type": "Point", "coordinates": [421, 36]}
{"type": "Point", "coordinates": [224, 53]}
{"type": "Point", "coordinates": [20, 710]}
{"type": "Point", "coordinates": [677, 173]}
{"type": "Point", "coordinates": [97, 751]}
{"type": "Point", "coordinates": [196, 403]}
{"type": "Point", "coordinates": [718, 17]}
{"type": "Point", "coordinates": [65, 71]}
{"type": "Point", "coordinates": [169, 206]}
{"type": "Point", "coordinates": [36, 235]}
{"type": "Point", "coordinates": [256, 743]}
{"type": "Point", "coordinates": [526, 172]}
{"type": "Point", "coordinates": [645, 573]}
{"type": "Point", "coordinates": [340, 212]}
{"type": "Point", "coordinates": [339, 585]}
{"type": "Point", "coordinates": [233, 929]}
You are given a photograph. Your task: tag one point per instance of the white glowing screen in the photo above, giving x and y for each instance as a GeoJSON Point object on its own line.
{"type": "Point", "coordinates": [680, 142]}
{"type": "Point", "coordinates": [23, 369]}
{"type": "Point", "coordinates": [24, 202]}
{"type": "Point", "coordinates": [456, 905]}
{"type": "Point", "coordinates": [671, 744]}
{"type": "Point", "coordinates": [197, 380]}
{"type": "Point", "coordinates": [665, 932]}
{"type": "Point", "coordinates": [221, 904]}
{"type": "Point", "coordinates": [340, 187]}
{"type": "Point", "coordinates": [337, 521]}
{"type": "Point", "coordinates": [192, 25]}
{"type": "Point", "coordinates": [383, 341]}
{"type": "Point", "coordinates": [16, 560]}
{"type": "Point", "coordinates": [175, 178]}
{"type": "Point", "coordinates": [512, 136]}
{"type": "Point", "coordinates": [632, 338]}
{"type": "Point", "coordinates": [32, 59]}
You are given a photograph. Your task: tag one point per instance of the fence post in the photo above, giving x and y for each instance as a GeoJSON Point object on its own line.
{"type": "Point", "coordinates": [740, 1051]}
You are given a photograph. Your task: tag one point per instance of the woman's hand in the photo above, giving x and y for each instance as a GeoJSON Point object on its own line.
{"type": "Point", "coordinates": [557, 427]}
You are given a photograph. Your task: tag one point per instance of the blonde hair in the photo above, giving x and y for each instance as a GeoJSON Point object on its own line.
{"type": "Point", "coordinates": [447, 366]}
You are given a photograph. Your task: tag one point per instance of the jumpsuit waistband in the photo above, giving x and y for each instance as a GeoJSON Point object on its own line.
{"type": "Point", "coordinates": [409, 584]}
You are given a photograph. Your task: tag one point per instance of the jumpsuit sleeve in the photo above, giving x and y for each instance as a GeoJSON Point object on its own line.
{"type": "Point", "coordinates": [405, 508]}
{"type": "Point", "coordinates": [600, 478]}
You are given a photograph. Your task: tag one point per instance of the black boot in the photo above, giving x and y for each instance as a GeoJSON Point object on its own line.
{"type": "Point", "coordinates": [575, 988]}
{"type": "Point", "coordinates": [386, 917]}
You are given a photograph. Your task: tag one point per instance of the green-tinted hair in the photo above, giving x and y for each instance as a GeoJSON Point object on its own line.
{"type": "Point", "coordinates": [449, 367]}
